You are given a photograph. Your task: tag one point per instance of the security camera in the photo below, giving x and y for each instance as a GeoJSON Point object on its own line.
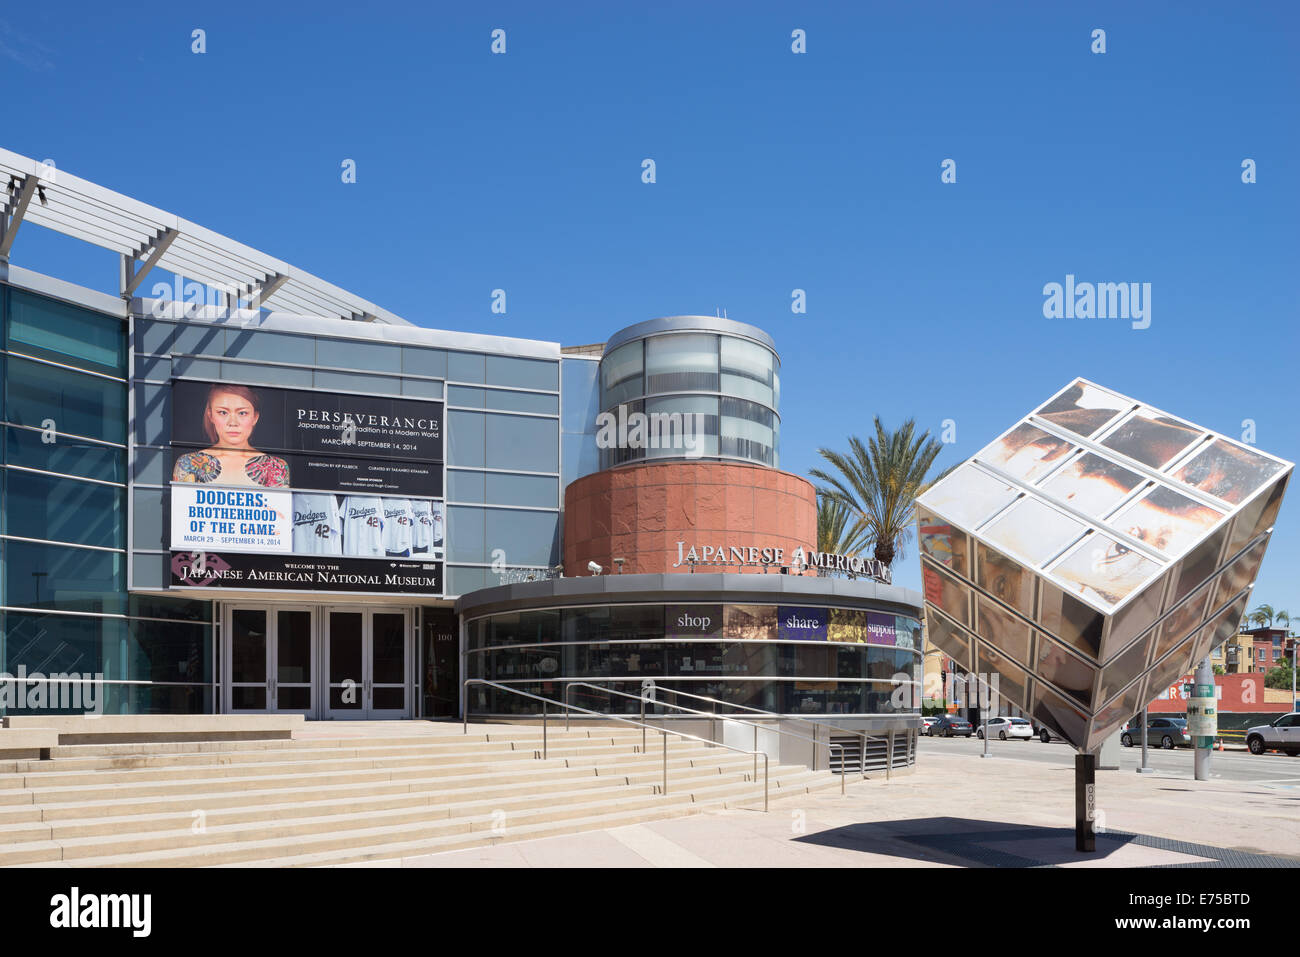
{"type": "Point", "coordinates": [594, 568]}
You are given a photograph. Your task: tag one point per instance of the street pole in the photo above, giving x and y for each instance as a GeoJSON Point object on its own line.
{"type": "Point", "coordinates": [984, 713]}
{"type": "Point", "coordinates": [1202, 733]}
{"type": "Point", "coordinates": [1146, 768]}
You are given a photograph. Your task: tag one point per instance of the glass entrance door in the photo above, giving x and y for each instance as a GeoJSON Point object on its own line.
{"type": "Point", "coordinates": [367, 656]}
{"type": "Point", "coordinates": [271, 660]}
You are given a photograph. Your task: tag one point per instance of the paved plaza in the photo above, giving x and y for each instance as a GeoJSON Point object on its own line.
{"type": "Point", "coordinates": [957, 810]}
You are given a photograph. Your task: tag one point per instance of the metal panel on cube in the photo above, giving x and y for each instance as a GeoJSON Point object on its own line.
{"type": "Point", "coordinates": [1092, 553]}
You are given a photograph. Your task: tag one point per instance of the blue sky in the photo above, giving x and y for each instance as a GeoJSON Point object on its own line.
{"type": "Point", "coordinates": [775, 171]}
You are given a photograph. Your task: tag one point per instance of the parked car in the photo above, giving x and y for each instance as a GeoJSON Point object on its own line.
{"type": "Point", "coordinates": [951, 724]}
{"type": "Point", "coordinates": [1047, 735]}
{"type": "Point", "coordinates": [928, 722]}
{"type": "Point", "coordinates": [1003, 728]}
{"type": "Point", "coordinates": [1282, 735]}
{"type": "Point", "coordinates": [1164, 732]}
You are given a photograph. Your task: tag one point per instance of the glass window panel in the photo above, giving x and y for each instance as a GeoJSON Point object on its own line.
{"type": "Point", "coordinates": [466, 486]}
{"type": "Point", "coordinates": [849, 625]}
{"type": "Point", "coordinates": [271, 346]}
{"type": "Point", "coordinates": [465, 395]}
{"type": "Point", "coordinates": [746, 388]}
{"type": "Point", "coordinates": [946, 593]}
{"type": "Point", "coordinates": [945, 543]}
{"type": "Point", "coordinates": [1256, 518]}
{"type": "Point", "coordinates": [76, 403]}
{"type": "Point", "coordinates": [750, 622]}
{"type": "Point", "coordinates": [63, 578]}
{"type": "Point", "coordinates": [1092, 484]}
{"type": "Point", "coordinates": [746, 430]}
{"type": "Point", "coordinates": [1026, 452]}
{"type": "Point", "coordinates": [534, 402]}
{"type": "Point", "coordinates": [948, 638]}
{"type": "Point", "coordinates": [465, 530]}
{"type": "Point", "coordinates": [466, 367]}
{"type": "Point", "coordinates": [153, 337]}
{"type": "Point", "coordinates": [1033, 531]}
{"type": "Point", "coordinates": [682, 426]}
{"type": "Point", "coordinates": [1103, 570]}
{"type": "Point", "coordinates": [466, 438]}
{"type": "Point", "coordinates": [1069, 673]}
{"type": "Point", "coordinates": [685, 362]}
{"type": "Point", "coordinates": [534, 491]}
{"type": "Point", "coordinates": [197, 339]}
{"type": "Point", "coordinates": [1006, 680]}
{"type": "Point", "coordinates": [422, 388]}
{"type": "Point", "coordinates": [1228, 471]}
{"type": "Point", "coordinates": [1167, 521]}
{"type": "Point", "coordinates": [523, 373]}
{"type": "Point", "coordinates": [1151, 438]}
{"type": "Point", "coordinates": [353, 382]}
{"type": "Point", "coordinates": [65, 333]}
{"type": "Point", "coordinates": [1199, 565]}
{"type": "Point", "coordinates": [1182, 621]}
{"type": "Point", "coordinates": [1005, 579]}
{"type": "Point", "coordinates": [1122, 670]}
{"type": "Point", "coordinates": [1076, 624]}
{"type": "Point", "coordinates": [177, 609]}
{"type": "Point", "coordinates": [353, 354]}
{"type": "Point", "coordinates": [418, 361]}
{"type": "Point", "coordinates": [526, 444]}
{"type": "Point", "coordinates": [63, 510]}
{"type": "Point", "coordinates": [621, 374]}
{"type": "Point", "coordinates": [1083, 409]}
{"type": "Point", "coordinates": [527, 538]}
{"type": "Point", "coordinates": [969, 496]}
{"type": "Point", "coordinates": [66, 454]}
{"type": "Point", "coordinates": [1240, 573]}
{"type": "Point", "coordinates": [1003, 630]}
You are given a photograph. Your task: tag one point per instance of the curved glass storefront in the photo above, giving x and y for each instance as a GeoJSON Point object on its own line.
{"type": "Point", "coordinates": [726, 374]}
{"type": "Point", "coordinates": [785, 659]}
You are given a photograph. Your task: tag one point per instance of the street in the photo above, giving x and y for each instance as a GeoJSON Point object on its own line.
{"type": "Point", "coordinates": [1269, 770]}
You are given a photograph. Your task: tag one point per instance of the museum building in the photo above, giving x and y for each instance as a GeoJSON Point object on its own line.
{"type": "Point", "coordinates": [229, 486]}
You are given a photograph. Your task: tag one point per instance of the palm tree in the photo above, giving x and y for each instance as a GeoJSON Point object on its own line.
{"type": "Point", "coordinates": [1283, 619]}
{"type": "Point", "coordinates": [1258, 618]}
{"type": "Point", "coordinates": [879, 482]}
{"type": "Point", "coordinates": [834, 533]}
{"type": "Point", "coordinates": [1264, 613]}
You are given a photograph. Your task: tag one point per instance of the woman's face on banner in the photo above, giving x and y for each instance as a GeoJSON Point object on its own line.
{"type": "Point", "coordinates": [234, 419]}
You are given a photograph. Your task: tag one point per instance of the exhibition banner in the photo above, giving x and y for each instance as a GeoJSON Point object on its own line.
{"type": "Point", "coordinates": [199, 569]}
{"type": "Point", "coordinates": [225, 433]}
{"type": "Point", "coordinates": [217, 519]}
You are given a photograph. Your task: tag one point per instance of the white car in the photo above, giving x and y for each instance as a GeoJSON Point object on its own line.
{"type": "Point", "coordinates": [1004, 728]}
{"type": "Point", "coordinates": [1282, 735]}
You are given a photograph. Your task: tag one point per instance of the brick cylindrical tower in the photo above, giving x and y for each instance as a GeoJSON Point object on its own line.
{"type": "Point", "coordinates": [640, 512]}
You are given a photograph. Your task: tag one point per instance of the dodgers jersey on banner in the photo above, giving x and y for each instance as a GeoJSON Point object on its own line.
{"type": "Point", "coordinates": [317, 524]}
{"type": "Point", "coordinates": [399, 524]}
{"type": "Point", "coordinates": [363, 526]}
{"type": "Point", "coordinates": [423, 515]}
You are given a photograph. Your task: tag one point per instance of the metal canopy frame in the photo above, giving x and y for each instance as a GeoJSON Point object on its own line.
{"type": "Point", "coordinates": [145, 237]}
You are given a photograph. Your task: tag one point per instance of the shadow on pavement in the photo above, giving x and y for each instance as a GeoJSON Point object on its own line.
{"type": "Point", "coordinates": [966, 842]}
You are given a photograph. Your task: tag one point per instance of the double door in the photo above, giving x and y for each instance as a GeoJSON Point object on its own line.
{"type": "Point", "coordinates": [322, 661]}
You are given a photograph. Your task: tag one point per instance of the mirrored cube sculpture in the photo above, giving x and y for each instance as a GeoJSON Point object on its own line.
{"type": "Point", "coordinates": [1092, 554]}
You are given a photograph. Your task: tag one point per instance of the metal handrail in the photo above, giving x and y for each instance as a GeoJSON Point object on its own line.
{"type": "Point", "coordinates": [767, 773]}
{"type": "Point", "coordinates": [889, 739]}
{"type": "Point", "coordinates": [707, 714]}
{"type": "Point", "coordinates": [864, 735]}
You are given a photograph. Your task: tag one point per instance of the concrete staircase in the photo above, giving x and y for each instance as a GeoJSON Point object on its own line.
{"type": "Point", "coordinates": [336, 794]}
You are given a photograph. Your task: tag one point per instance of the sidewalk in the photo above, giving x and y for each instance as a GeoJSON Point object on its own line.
{"type": "Point", "coordinates": [952, 811]}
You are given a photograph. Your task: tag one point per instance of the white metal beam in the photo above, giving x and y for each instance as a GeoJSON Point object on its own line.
{"type": "Point", "coordinates": [12, 215]}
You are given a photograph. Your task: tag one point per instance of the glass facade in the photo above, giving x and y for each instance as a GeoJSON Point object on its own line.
{"type": "Point", "coordinates": [731, 652]}
{"type": "Point", "coordinates": [67, 623]}
{"type": "Point", "coordinates": [728, 385]}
